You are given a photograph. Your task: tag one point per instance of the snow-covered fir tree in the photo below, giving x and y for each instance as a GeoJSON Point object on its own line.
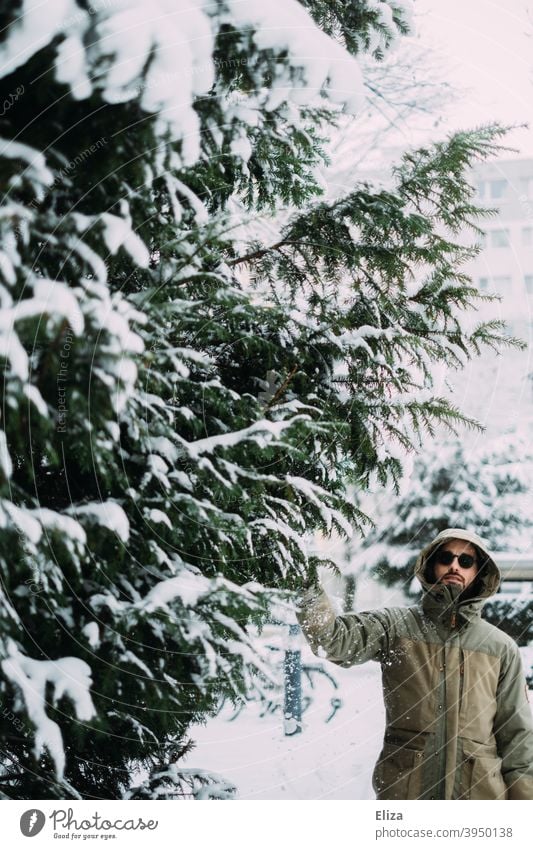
{"type": "Point", "coordinates": [181, 410]}
{"type": "Point", "coordinates": [485, 487]}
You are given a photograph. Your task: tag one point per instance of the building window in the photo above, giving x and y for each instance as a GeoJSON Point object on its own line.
{"type": "Point", "coordinates": [497, 188]}
{"type": "Point", "coordinates": [527, 236]}
{"type": "Point", "coordinates": [528, 280]}
{"type": "Point", "coordinates": [481, 188]}
{"type": "Point", "coordinates": [500, 238]}
{"type": "Point", "coordinates": [502, 284]}
{"type": "Point", "coordinates": [483, 283]}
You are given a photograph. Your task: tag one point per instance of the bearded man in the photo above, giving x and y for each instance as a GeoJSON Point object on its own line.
{"type": "Point", "coordinates": [458, 721]}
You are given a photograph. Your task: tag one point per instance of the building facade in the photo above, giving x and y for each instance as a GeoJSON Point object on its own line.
{"type": "Point", "coordinates": [505, 265]}
{"type": "Point", "coordinates": [497, 389]}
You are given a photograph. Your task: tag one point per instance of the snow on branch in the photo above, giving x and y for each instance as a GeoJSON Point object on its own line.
{"type": "Point", "coordinates": [262, 433]}
{"type": "Point", "coordinates": [160, 53]}
{"type": "Point", "coordinates": [35, 161]}
{"type": "Point", "coordinates": [175, 782]}
{"type": "Point", "coordinates": [190, 587]}
{"type": "Point", "coordinates": [318, 496]}
{"type": "Point", "coordinates": [289, 27]}
{"type": "Point", "coordinates": [69, 676]}
{"type": "Point", "coordinates": [21, 519]}
{"type": "Point", "coordinates": [108, 514]}
{"type": "Point", "coordinates": [117, 232]}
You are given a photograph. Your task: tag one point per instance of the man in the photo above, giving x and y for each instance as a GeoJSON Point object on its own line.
{"type": "Point", "coordinates": [458, 722]}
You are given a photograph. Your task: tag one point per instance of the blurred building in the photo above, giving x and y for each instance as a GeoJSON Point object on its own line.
{"type": "Point", "coordinates": [498, 389]}
{"type": "Point", "coordinates": [505, 265]}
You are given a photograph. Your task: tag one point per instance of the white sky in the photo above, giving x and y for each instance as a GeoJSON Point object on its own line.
{"type": "Point", "coordinates": [489, 48]}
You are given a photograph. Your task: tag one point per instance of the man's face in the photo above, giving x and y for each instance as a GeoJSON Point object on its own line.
{"type": "Point", "coordinates": [455, 574]}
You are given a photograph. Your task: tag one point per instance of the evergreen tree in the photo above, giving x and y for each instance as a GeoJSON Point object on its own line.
{"type": "Point", "coordinates": [484, 488]}
{"type": "Point", "coordinates": [156, 485]}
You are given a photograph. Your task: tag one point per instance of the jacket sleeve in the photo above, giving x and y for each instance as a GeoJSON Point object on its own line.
{"type": "Point", "coordinates": [346, 640]}
{"type": "Point", "coordinates": [514, 728]}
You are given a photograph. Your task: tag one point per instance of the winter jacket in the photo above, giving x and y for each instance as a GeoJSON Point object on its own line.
{"type": "Point", "coordinates": [458, 722]}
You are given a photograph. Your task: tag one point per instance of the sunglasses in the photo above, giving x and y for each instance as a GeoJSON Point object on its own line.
{"type": "Point", "coordinates": [446, 558]}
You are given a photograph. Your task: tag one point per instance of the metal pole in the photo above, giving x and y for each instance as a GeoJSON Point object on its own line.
{"type": "Point", "coordinates": [292, 712]}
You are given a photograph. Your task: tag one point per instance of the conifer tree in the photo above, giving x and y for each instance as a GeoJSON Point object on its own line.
{"type": "Point", "coordinates": [184, 406]}
{"type": "Point", "coordinates": [484, 488]}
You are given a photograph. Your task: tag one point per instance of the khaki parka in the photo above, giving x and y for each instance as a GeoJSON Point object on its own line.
{"type": "Point", "coordinates": [458, 721]}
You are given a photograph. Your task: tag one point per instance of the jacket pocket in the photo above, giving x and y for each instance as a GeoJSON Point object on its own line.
{"type": "Point", "coordinates": [481, 774]}
{"type": "Point", "coordinates": [398, 773]}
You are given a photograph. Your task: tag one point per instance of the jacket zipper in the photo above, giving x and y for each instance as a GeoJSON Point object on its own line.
{"type": "Point", "coordinates": [461, 678]}
{"type": "Point", "coordinates": [443, 742]}
{"type": "Point", "coordinates": [441, 791]}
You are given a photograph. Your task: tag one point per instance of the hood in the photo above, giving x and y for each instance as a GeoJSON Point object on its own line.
{"type": "Point", "coordinates": [489, 578]}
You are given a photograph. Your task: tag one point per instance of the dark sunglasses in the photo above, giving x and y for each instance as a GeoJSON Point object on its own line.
{"type": "Point", "coordinates": [446, 558]}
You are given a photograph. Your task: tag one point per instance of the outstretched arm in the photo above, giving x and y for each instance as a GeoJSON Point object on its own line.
{"type": "Point", "coordinates": [346, 640]}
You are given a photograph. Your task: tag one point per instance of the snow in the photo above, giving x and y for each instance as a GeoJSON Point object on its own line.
{"type": "Point", "coordinates": [93, 260]}
{"type": "Point", "coordinates": [161, 53]}
{"type": "Point", "coordinates": [52, 297]}
{"type": "Point", "coordinates": [313, 492]}
{"type": "Point", "coordinates": [70, 67]}
{"type": "Point", "coordinates": [262, 432]}
{"type": "Point", "coordinates": [167, 29]}
{"type": "Point", "coordinates": [35, 397]}
{"type": "Point", "coordinates": [35, 160]}
{"type": "Point", "coordinates": [69, 676]}
{"type": "Point", "coordinates": [7, 269]}
{"type": "Point", "coordinates": [162, 445]}
{"type": "Point", "coordinates": [108, 514]}
{"type": "Point", "coordinates": [113, 428]}
{"type": "Point", "coordinates": [105, 313]}
{"type": "Point", "coordinates": [118, 233]}
{"type": "Point", "coordinates": [526, 653]}
{"type": "Point", "coordinates": [281, 529]}
{"type": "Point", "coordinates": [182, 480]}
{"type": "Point", "coordinates": [188, 587]}
{"type": "Point", "coordinates": [158, 517]}
{"type": "Point", "coordinates": [68, 527]}
{"type": "Point", "coordinates": [289, 27]}
{"type": "Point", "coordinates": [21, 519]}
{"type": "Point", "coordinates": [5, 460]}
{"type": "Point", "coordinates": [32, 31]}
{"type": "Point", "coordinates": [242, 148]}
{"type": "Point", "coordinates": [10, 346]}
{"type": "Point", "coordinates": [327, 760]}
{"type": "Point", "coordinates": [384, 8]}
{"type": "Point", "coordinates": [176, 186]}
{"type": "Point", "coordinates": [130, 657]}
{"type": "Point", "coordinates": [92, 632]}
{"type": "Point", "coordinates": [126, 36]}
